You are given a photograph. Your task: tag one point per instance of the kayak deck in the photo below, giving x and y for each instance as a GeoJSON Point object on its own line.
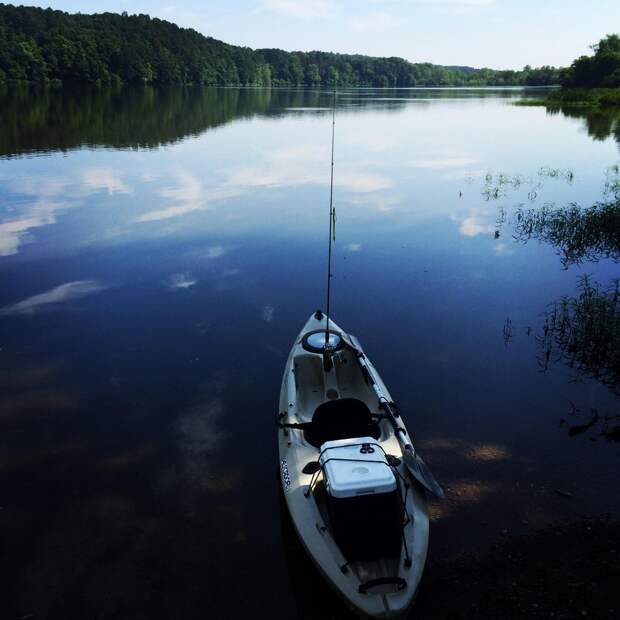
{"type": "Point", "coordinates": [380, 586]}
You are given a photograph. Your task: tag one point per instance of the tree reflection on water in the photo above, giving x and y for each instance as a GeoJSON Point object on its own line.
{"type": "Point", "coordinates": [580, 234]}
{"type": "Point", "coordinates": [583, 332]}
{"type": "Point", "coordinates": [600, 123]}
{"type": "Point", "coordinates": [45, 119]}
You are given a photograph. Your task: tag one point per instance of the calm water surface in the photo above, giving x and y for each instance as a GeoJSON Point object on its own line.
{"type": "Point", "coordinates": [159, 251]}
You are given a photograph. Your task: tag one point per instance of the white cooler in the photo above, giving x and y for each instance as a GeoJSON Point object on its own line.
{"type": "Point", "coordinates": [363, 503]}
{"type": "Point", "coordinates": [351, 468]}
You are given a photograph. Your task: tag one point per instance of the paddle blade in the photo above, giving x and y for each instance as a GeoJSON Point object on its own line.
{"type": "Point", "coordinates": [419, 470]}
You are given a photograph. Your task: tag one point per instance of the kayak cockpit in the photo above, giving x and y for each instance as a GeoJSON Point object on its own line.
{"type": "Point", "coordinates": [341, 419]}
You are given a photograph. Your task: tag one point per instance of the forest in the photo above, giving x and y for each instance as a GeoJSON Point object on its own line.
{"type": "Point", "coordinates": [44, 45]}
{"type": "Point", "coordinates": [591, 82]}
{"type": "Point", "coordinates": [601, 70]}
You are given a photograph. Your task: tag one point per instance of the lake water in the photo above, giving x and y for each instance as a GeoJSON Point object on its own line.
{"type": "Point", "coordinates": [159, 252]}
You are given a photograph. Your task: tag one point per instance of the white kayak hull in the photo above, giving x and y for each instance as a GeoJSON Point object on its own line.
{"type": "Point", "coordinates": [305, 386]}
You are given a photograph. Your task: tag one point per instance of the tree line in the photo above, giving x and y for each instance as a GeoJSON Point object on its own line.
{"type": "Point", "coordinates": [39, 45]}
{"type": "Point", "coordinates": [601, 70]}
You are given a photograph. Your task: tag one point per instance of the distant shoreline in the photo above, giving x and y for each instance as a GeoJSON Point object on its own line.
{"type": "Point", "coordinates": [588, 98]}
{"type": "Point", "coordinates": [318, 88]}
{"type": "Point", "coordinates": [42, 45]}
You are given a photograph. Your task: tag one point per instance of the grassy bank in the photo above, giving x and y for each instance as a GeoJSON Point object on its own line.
{"type": "Point", "coordinates": [577, 98]}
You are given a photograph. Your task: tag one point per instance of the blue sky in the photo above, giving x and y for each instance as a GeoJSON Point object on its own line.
{"type": "Point", "coordinates": [493, 33]}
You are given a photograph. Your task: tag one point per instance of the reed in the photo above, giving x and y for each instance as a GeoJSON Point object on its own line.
{"type": "Point", "coordinates": [578, 233]}
{"type": "Point", "coordinates": [583, 331]}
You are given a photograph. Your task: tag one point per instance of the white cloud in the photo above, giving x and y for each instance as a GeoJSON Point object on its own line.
{"type": "Point", "coordinates": [215, 251]}
{"type": "Point", "coordinates": [209, 252]}
{"type": "Point", "coordinates": [290, 165]}
{"type": "Point", "coordinates": [503, 249]}
{"type": "Point", "coordinates": [46, 187]}
{"type": "Point", "coordinates": [187, 196]}
{"type": "Point", "coordinates": [306, 9]}
{"type": "Point", "coordinates": [181, 281]}
{"type": "Point", "coordinates": [380, 202]}
{"type": "Point", "coordinates": [463, 3]}
{"type": "Point", "coordinates": [166, 214]}
{"type": "Point", "coordinates": [456, 8]}
{"type": "Point", "coordinates": [354, 247]}
{"type": "Point", "coordinates": [478, 222]}
{"type": "Point", "coordinates": [473, 226]}
{"type": "Point", "coordinates": [200, 437]}
{"type": "Point", "coordinates": [13, 232]}
{"type": "Point", "coordinates": [49, 197]}
{"type": "Point", "coordinates": [374, 22]}
{"type": "Point", "coordinates": [372, 141]}
{"type": "Point", "coordinates": [363, 182]}
{"type": "Point", "coordinates": [302, 165]}
{"type": "Point", "coordinates": [267, 313]}
{"type": "Point", "coordinates": [59, 294]}
{"type": "Point", "coordinates": [104, 178]}
{"type": "Point", "coordinates": [438, 163]}
{"type": "Point", "coordinates": [188, 188]}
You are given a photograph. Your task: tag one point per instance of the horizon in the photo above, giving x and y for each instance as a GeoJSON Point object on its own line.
{"type": "Point", "coordinates": [472, 33]}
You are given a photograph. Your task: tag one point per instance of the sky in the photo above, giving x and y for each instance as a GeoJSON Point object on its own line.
{"type": "Point", "coordinates": [501, 34]}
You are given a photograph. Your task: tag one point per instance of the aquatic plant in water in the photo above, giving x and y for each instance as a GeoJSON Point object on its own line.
{"type": "Point", "coordinates": [498, 185]}
{"type": "Point", "coordinates": [612, 182]}
{"type": "Point", "coordinates": [590, 233]}
{"type": "Point", "coordinates": [584, 332]}
{"type": "Point", "coordinates": [556, 173]}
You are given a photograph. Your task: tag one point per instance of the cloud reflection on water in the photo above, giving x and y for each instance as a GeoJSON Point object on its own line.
{"type": "Point", "coordinates": [104, 178]}
{"type": "Point", "coordinates": [45, 199]}
{"type": "Point", "coordinates": [187, 196]}
{"type": "Point", "coordinates": [200, 438]}
{"type": "Point", "coordinates": [440, 163]}
{"type": "Point", "coordinates": [59, 294]}
{"type": "Point", "coordinates": [38, 201]}
{"type": "Point", "coordinates": [267, 313]}
{"type": "Point", "coordinates": [474, 225]}
{"type": "Point", "coordinates": [303, 165]}
{"type": "Point", "coordinates": [181, 281]}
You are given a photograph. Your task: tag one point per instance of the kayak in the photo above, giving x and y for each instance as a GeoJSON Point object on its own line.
{"type": "Point", "coordinates": [355, 487]}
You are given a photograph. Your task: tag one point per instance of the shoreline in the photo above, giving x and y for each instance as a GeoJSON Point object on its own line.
{"type": "Point", "coordinates": [584, 98]}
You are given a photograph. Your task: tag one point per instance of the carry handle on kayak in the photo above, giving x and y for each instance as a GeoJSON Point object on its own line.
{"type": "Point", "coordinates": [382, 581]}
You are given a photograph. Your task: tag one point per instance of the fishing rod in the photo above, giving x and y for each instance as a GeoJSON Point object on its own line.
{"type": "Point", "coordinates": [327, 361]}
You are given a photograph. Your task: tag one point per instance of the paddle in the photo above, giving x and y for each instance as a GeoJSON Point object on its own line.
{"type": "Point", "coordinates": [420, 471]}
{"type": "Point", "coordinates": [416, 466]}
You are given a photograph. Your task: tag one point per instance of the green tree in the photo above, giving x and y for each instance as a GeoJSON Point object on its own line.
{"type": "Point", "coordinates": [600, 70]}
{"type": "Point", "coordinates": [313, 77]}
{"type": "Point", "coordinates": [39, 45]}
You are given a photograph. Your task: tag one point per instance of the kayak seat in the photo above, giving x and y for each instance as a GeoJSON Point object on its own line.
{"type": "Point", "coordinates": [343, 418]}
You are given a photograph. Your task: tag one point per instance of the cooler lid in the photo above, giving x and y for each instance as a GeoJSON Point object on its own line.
{"type": "Point", "coordinates": [356, 467]}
